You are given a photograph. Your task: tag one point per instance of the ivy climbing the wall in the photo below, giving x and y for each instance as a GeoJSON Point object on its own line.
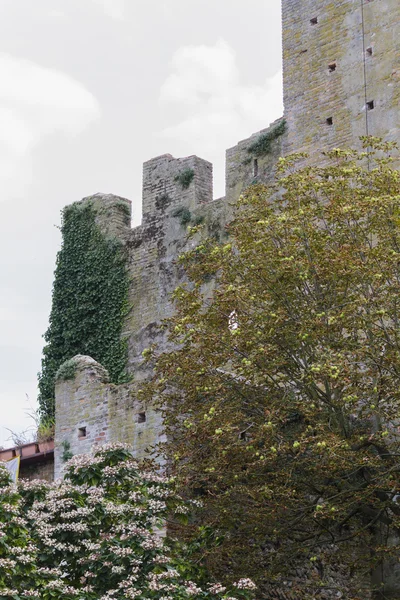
{"type": "Point", "coordinates": [90, 302]}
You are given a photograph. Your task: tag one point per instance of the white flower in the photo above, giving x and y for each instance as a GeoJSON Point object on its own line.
{"type": "Point", "coordinates": [245, 584]}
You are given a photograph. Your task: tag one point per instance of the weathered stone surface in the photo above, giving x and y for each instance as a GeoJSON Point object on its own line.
{"type": "Point", "coordinates": [328, 72]}
{"type": "Point", "coordinates": [337, 57]}
{"type": "Point", "coordinates": [87, 402]}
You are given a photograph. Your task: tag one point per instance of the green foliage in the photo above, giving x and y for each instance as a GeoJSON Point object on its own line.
{"type": "Point", "coordinates": [18, 572]}
{"type": "Point", "coordinates": [45, 430]}
{"type": "Point", "coordinates": [66, 371]}
{"type": "Point", "coordinates": [262, 145]}
{"type": "Point", "coordinates": [184, 215]}
{"type": "Point", "coordinates": [198, 220]}
{"type": "Point", "coordinates": [185, 178]}
{"type": "Point", "coordinates": [89, 302]}
{"type": "Point", "coordinates": [67, 454]}
{"type": "Point", "coordinates": [98, 535]}
{"type": "Point", "coordinates": [281, 395]}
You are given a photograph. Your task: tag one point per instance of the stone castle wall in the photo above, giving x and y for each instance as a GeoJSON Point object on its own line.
{"type": "Point", "coordinates": [341, 74]}
{"type": "Point", "coordinates": [89, 410]}
{"type": "Point", "coordinates": [337, 57]}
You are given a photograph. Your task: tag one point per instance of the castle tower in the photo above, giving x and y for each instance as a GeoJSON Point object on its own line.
{"type": "Point", "coordinates": [341, 72]}
{"type": "Point", "coordinates": [89, 410]}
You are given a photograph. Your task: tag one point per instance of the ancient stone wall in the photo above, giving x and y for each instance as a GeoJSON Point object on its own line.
{"type": "Point", "coordinates": [89, 410]}
{"type": "Point", "coordinates": [341, 63]}
{"type": "Point", "coordinates": [341, 72]}
{"type": "Point", "coordinates": [341, 68]}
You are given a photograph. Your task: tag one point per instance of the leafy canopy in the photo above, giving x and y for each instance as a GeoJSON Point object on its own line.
{"type": "Point", "coordinates": [282, 394]}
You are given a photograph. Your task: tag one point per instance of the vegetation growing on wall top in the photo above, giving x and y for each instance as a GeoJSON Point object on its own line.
{"type": "Point", "coordinates": [262, 145]}
{"type": "Point", "coordinates": [66, 371]}
{"type": "Point", "coordinates": [89, 302]}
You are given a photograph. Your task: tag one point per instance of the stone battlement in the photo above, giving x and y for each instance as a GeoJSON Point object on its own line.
{"type": "Point", "coordinates": [341, 73]}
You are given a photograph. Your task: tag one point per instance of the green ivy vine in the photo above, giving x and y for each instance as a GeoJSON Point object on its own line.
{"type": "Point", "coordinates": [90, 302]}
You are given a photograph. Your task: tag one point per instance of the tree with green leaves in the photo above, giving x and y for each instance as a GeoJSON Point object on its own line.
{"type": "Point", "coordinates": [282, 394]}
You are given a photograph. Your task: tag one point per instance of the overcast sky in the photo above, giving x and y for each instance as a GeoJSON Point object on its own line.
{"type": "Point", "coordinates": [89, 90]}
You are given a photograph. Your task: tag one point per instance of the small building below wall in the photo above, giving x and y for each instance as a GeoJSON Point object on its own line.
{"type": "Point", "coordinates": [36, 460]}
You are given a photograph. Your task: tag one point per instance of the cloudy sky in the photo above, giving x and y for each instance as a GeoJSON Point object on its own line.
{"type": "Point", "coordinates": [89, 90]}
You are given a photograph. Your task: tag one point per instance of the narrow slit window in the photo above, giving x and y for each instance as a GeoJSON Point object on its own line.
{"type": "Point", "coordinates": [314, 21]}
{"type": "Point", "coordinates": [370, 105]}
{"type": "Point", "coordinates": [141, 417]}
{"type": "Point", "coordinates": [332, 67]}
{"type": "Point", "coordinates": [255, 167]}
{"type": "Point", "coordinates": [329, 121]}
{"type": "Point", "coordinates": [82, 433]}
{"type": "Point", "coordinates": [369, 51]}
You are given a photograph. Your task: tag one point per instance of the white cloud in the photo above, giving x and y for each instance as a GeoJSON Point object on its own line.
{"type": "Point", "coordinates": [201, 74]}
{"type": "Point", "coordinates": [218, 108]}
{"type": "Point", "coordinates": [35, 102]}
{"type": "Point", "coordinates": [112, 8]}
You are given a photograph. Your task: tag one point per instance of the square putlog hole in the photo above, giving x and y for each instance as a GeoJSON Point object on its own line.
{"type": "Point", "coordinates": [82, 433]}
{"type": "Point", "coordinates": [369, 51]}
{"type": "Point", "coordinates": [370, 105]}
{"type": "Point", "coordinates": [314, 21]}
{"type": "Point", "coordinates": [332, 67]}
{"type": "Point", "coordinates": [329, 121]}
{"type": "Point", "coordinates": [141, 417]}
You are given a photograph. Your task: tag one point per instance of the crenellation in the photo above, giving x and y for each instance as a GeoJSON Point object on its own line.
{"type": "Point", "coordinates": [162, 190]}
{"type": "Point", "coordinates": [240, 172]}
{"type": "Point", "coordinates": [337, 57]}
{"type": "Point", "coordinates": [113, 213]}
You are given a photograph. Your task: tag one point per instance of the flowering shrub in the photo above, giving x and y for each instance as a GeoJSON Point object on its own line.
{"type": "Point", "coordinates": [100, 535]}
{"type": "Point", "coordinates": [19, 577]}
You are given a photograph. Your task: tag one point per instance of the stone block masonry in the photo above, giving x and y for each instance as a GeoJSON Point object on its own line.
{"type": "Point", "coordinates": [341, 74]}
{"type": "Point", "coordinates": [176, 193]}
{"type": "Point", "coordinates": [341, 71]}
{"type": "Point", "coordinates": [91, 411]}
{"type": "Point", "coordinates": [341, 68]}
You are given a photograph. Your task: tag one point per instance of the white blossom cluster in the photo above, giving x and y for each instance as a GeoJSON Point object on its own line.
{"type": "Point", "coordinates": [97, 535]}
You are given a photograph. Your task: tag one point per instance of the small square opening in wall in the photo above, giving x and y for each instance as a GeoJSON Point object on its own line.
{"type": "Point", "coordinates": [314, 21]}
{"type": "Point", "coordinates": [332, 67]}
{"type": "Point", "coordinates": [370, 105]}
{"type": "Point", "coordinates": [369, 51]}
{"type": "Point", "coordinates": [141, 417]}
{"type": "Point", "coordinates": [329, 121]}
{"type": "Point", "coordinates": [82, 432]}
